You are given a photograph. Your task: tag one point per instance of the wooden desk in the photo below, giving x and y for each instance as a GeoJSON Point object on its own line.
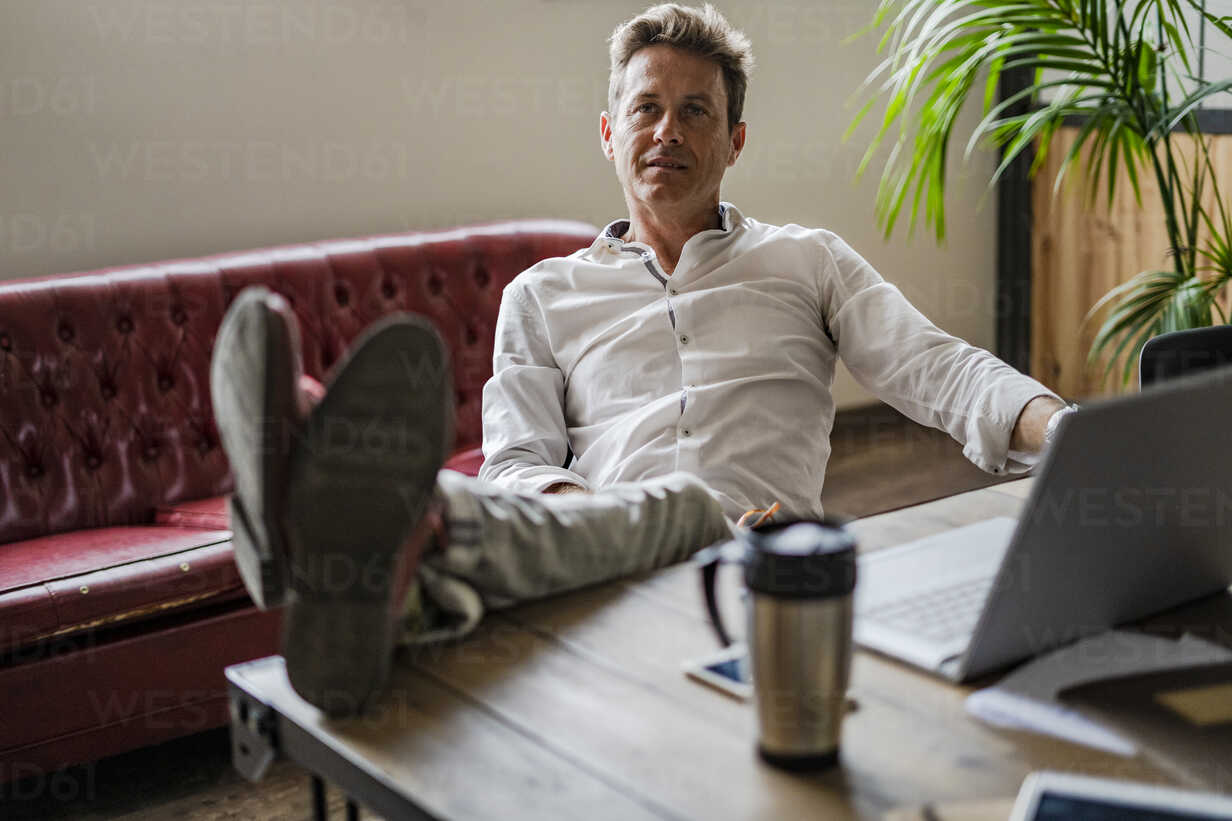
{"type": "Point", "coordinates": [576, 707]}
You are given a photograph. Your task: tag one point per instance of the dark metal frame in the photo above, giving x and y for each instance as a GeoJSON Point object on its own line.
{"type": "Point", "coordinates": [1014, 218]}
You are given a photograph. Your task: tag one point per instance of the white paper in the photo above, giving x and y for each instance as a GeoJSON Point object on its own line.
{"type": "Point", "coordinates": [1026, 699]}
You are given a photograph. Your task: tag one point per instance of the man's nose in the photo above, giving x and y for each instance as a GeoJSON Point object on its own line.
{"type": "Point", "coordinates": [668, 130]}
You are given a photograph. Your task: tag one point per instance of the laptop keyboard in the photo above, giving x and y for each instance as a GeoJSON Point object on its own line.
{"type": "Point", "coordinates": [940, 615]}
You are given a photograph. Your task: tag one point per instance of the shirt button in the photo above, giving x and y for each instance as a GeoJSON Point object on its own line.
{"type": "Point", "coordinates": [684, 339]}
{"type": "Point", "coordinates": [685, 432]}
{"type": "Point", "coordinates": [672, 291]}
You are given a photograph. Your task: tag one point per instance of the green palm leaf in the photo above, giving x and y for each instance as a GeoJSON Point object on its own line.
{"type": "Point", "coordinates": [1118, 67]}
{"type": "Point", "coordinates": [1102, 49]}
{"type": "Point", "coordinates": [1151, 303]}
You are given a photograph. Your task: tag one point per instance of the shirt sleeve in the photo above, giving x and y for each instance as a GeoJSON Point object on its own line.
{"type": "Point", "coordinates": [928, 375]}
{"type": "Point", "coordinates": [525, 439]}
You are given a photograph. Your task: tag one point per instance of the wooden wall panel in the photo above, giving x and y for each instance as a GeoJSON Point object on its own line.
{"type": "Point", "coordinates": [1080, 251]}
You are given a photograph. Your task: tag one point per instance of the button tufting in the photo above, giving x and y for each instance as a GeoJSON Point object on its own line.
{"type": "Point", "coordinates": [34, 471]}
{"type": "Point", "coordinates": [459, 398]}
{"type": "Point", "coordinates": [204, 445]}
{"type": "Point", "coordinates": [165, 383]}
{"type": "Point", "coordinates": [124, 325]}
{"type": "Point", "coordinates": [178, 316]}
{"type": "Point", "coordinates": [387, 290]}
{"type": "Point", "coordinates": [6, 343]}
{"type": "Point", "coordinates": [435, 285]}
{"type": "Point", "coordinates": [108, 390]}
{"type": "Point", "coordinates": [482, 278]}
{"type": "Point", "coordinates": [93, 460]}
{"type": "Point", "coordinates": [472, 335]}
{"type": "Point", "coordinates": [48, 397]}
{"type": "Point", "coordinates": [66, 332]}
{"type": "Point", "coordinates": [150, 453]}
{"type": "Point", "coordinates": [341, 295]}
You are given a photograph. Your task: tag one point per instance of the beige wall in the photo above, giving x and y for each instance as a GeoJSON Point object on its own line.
{"type": "Point", "coordinates": [135, 130]}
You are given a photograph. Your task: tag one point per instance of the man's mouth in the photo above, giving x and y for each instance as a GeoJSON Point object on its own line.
{"type": "Point", "coordinates": [664, 162]}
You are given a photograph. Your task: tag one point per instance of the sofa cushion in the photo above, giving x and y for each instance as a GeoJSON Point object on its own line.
{"type": "Point", "coordinates": [89, 579]}
{"type": "Point", "coordinates": [212, 513]}
{"type": "Point", "coordinates": [71, 582]}
{"type": "Point", "coordinates": [466, 461]}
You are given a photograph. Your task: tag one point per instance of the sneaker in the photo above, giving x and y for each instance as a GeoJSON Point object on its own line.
{"type": "Point", "coordinates": [254, 386]}
{"type": "Point", "coordinates": [359, 497]}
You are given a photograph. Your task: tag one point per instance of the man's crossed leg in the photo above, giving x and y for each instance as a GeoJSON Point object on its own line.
{"type": "Point", "coordinates": [341, 511]}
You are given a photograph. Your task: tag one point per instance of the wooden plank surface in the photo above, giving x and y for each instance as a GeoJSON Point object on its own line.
{"type": "Point", "coordinates": [576, 706]}
{"type": "Point", "coordinates": [996, 809]}
{"type": "Point", "coordinates": [450, 756]}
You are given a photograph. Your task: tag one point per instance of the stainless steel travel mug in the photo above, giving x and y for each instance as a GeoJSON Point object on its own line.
{"type": "Point", "coordinates": [800, 576]}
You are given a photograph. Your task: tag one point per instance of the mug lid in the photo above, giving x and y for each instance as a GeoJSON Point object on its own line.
{"type": "Point", "coordinates": [804, 559]}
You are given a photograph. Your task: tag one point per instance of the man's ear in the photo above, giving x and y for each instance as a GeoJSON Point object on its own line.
{"type": "Point", "coordinates": [737, 143]}
{"type": "Point", "coordinates": [605, 135]}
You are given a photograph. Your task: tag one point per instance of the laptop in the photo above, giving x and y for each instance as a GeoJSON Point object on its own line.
{"type": "Point", "coordinates": [1130, 514]}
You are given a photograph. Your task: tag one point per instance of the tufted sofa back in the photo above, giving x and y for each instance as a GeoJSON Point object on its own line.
{"type": "Point", "coordinates": [104, 377]}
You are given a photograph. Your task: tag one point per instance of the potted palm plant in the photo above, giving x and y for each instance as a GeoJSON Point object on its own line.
{"type": "Point", "coordinates": [1127, 74]}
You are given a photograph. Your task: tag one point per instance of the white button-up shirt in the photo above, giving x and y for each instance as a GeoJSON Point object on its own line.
{"type": "Point", "coordinates": [722, 369]}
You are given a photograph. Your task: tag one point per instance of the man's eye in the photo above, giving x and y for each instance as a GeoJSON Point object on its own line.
{"type": "Point", "coordinates": [645, 108]}
{"type": "Point", "coordinates": [694, 109]}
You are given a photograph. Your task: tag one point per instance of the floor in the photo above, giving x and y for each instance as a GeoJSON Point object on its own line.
{"type": "Point", "coordinates": [880, 462]}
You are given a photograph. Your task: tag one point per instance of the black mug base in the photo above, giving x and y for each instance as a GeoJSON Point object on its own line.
{"type": "Point", "coordinates": [796, 762]}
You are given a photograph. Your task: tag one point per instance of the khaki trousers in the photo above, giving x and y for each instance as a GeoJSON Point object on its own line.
{"type": "Point", "coordinates": [507, 547]}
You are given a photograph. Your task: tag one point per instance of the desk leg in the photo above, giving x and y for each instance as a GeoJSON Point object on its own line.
{"type": "Point", "coordinates": [319, 811]}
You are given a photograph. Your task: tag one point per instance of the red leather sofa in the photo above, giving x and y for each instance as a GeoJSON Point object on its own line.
{"type": "Point", "coordinates": [120, 603]}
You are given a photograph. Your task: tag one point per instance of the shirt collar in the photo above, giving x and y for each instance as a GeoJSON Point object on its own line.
{"type": "Point", "coordinates": [610, 237]}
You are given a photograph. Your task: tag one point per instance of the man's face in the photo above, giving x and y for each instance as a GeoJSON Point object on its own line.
{"type": "Point", "coordinates": [669, 135]}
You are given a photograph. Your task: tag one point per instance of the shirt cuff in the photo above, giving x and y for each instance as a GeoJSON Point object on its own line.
{"type": "Point", "coordinates": [1021, 461]}
{"type": "Point", "coordinates": [991, 426]}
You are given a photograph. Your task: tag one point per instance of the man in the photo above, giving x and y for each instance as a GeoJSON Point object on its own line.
{"type": "Point", "coordinates": [696, 338]}
{"type": "Point", "coordinates": [677, 372]}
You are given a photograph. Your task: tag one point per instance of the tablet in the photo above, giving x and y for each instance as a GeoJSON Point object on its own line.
{"type": "Point", "coordinates": [726, 670]}
{"type": "Point", "coordinates": [1049, 796]}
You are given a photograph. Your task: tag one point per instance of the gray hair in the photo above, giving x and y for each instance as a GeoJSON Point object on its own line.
{"type": "Point", "coordinates": [704, 32]}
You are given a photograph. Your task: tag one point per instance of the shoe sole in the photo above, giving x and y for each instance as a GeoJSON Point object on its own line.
{"type": "Point", "coordinates": [361, 478]}
{"type": "Point", "coordinates": [254, 393]}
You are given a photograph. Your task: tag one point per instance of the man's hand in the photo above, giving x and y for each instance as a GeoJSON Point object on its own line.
{"type": "Point", "coordinates": [1028, 435]}
{"type": "Point", "coordinates": [564, 487]}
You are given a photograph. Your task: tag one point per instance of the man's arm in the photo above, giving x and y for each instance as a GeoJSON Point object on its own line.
{"type": "Point", "coordinates": [936, 379]}
{"type": "Point", "coordinates": [525, 438]}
